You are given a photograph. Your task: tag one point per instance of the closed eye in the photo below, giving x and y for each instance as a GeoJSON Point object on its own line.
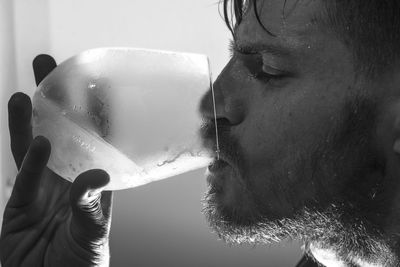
{"type": "Point", "coordinates": [231, 48]}
{"type": "Point", "coordinates": [254, 64]}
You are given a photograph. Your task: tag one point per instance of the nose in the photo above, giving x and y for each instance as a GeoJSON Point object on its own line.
{"type": "Point", "coordinates": [228, 102]}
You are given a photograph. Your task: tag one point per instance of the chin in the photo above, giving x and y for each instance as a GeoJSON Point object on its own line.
{"type": "Point", "coordinates": [233, 215]}
{"type": "Point", "coordinates": [238, 224]}
{"type": "Point", "coordinates": [229, 198]}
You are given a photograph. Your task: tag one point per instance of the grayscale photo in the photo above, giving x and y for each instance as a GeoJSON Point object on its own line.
{"type": "Point", "coordinates": [201, 133]}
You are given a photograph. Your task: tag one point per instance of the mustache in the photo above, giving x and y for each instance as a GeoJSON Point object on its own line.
{"type": "Point", "coordinates": [230, 150]}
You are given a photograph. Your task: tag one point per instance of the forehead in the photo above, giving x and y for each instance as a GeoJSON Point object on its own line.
{"type": "Point", "coordinates": [292, 21]}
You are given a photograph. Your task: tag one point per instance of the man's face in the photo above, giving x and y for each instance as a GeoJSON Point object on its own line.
{"type": "Point", "coordinates": [295, 129]}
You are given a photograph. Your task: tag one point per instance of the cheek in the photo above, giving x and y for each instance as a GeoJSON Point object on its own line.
{"type": "Point", "coordinates": [279, 134]}
{"type": "Point", "coordinates": [282, 123]}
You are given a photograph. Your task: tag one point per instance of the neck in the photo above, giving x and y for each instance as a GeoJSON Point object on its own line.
{"type": "Point", "coordinates": [352, 237]}
{"type": "Point", "coordinates": [373, 241]}
{"type": "Point", "coordinates": [329, 258]}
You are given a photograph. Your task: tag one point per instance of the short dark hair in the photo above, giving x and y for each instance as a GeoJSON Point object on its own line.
{"type": "Point", "coordinates": [371, 28]}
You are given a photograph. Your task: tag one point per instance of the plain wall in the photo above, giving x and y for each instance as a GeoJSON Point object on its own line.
{"type": "Point", "coordinates": [7, 83]}
{"type": "Point", "coordinates": [159, 224]}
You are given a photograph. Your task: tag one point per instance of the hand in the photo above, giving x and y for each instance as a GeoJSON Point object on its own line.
{"type": "Point", "coordinates": [49, 221]}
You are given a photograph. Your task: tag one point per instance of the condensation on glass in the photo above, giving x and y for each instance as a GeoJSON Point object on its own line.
{"type": "Point", "coordinates": [132, 112]}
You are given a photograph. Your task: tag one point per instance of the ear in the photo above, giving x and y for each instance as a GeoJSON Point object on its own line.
{"type": "Point", "coordinates": [388, 125]}
{"type": "Point", "coordinates": [386, 145]}
{"type": "Point", "coordinates": [387, 139]}
{"type": "Point", "coordinates": [395, 136]}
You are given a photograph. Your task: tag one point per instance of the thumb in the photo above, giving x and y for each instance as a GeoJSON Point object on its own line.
{"type": "Point", "coordinates": [90, 220]}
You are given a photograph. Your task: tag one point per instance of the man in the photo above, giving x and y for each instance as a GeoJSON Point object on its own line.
{"type": "Point", "coordinates": [308, 113]}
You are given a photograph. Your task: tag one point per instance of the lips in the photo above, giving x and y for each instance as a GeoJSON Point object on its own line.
{"type": "Point", "coordinates": [217, 165]}
{"type": "Point", "coordinates": [216, 176]}
{"type": "Point", "coordinates": [207, 133]}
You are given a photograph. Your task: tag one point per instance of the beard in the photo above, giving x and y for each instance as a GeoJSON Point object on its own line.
{"type": "Point", "coordinates": [340, 216]}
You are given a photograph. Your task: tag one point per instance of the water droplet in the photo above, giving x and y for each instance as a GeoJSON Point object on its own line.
{"type": "Point", "coordinates": [92, 85]}
{"type": "Point", "coordinates": [42, 94]}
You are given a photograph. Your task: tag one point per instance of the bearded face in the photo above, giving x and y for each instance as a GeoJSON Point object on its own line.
{"type": "Point", "coordinates": [297, 139]}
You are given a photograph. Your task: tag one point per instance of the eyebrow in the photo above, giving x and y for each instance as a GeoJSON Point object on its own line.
{"type": "Point", "coordinates": [254, 48]}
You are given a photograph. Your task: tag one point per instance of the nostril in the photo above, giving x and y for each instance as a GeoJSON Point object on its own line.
{"type": "Point", "coordinates": [216, 127]}
{"type": "Point", "coordinates": [223, 122]}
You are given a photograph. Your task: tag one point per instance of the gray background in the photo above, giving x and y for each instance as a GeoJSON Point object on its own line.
{"type": "Point", "coordinates": [161, 224]}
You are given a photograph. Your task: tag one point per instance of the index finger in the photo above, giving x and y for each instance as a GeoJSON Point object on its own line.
{"type": "Point", "coordinates": [19, 125]}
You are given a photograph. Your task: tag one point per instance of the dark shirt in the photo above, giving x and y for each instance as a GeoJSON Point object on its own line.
{"type": "Point", "coordinates": [307, 261]}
